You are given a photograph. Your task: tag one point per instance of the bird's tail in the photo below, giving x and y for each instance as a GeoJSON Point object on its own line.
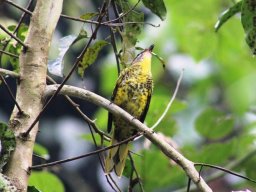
{"type": "Point", "coordinates": [116, 158]}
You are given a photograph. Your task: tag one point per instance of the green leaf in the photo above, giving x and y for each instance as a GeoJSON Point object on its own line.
{"type": "Point", "coordinates": [248, 15]}
{"type": "Point", "coordinates": [198, 19]}
{"type": "Point", "coordinates": [22, 31]}
{"type": "Point", "coordinates": [226, 15]}
{"type": "Point", "coordinates": [87, 16]}
{"type": "Point", "coordinates": [156, 170]}
{"type": "Point", "coordinates": [214, 124]}
{"type": "Point", "coordinates": [249, 167]}
{"type": "Point", "coordinates": [45, 181]}
{"type": "Point", "coordinates": [157, 7]}
{"type": "Point", "coordinates": [217, 153]}
{"type": "Point", "coordinates": [32, 189]}
{"type": "Point", "coordinates": [130, 32]}
{"type": "Point", "coordinates": [11, 27]}
{"type": "Point", "coordinates": [82, 34]}
{"type": "Point", "coordinates": [15, 47]}
{"type": "Point", "coordinates": [241, 100]}
{"type": "Point", "coordinates": [7, 144]}
{"type": "Point", "coordinates": [41, 151]}
{"type": "Point", "coordinates": [90, 56]}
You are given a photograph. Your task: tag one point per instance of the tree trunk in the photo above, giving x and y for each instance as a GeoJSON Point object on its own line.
{"type": "Point", "coordinates": [32, 82]}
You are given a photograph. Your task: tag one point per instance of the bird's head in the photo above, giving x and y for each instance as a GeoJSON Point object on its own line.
{"type": "Point", "coordinates": [146, 54]}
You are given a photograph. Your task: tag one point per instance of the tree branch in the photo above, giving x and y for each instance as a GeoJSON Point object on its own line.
{"type": "Point", "coordinates": [168, 150]}
{"type": "Point", "coordinates": [9, 73]}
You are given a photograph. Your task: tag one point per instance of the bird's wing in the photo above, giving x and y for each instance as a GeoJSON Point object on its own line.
{"type": "Point", "coordinates": [119, 80]}
{"type": "Point", "coordinates": [144, 113]}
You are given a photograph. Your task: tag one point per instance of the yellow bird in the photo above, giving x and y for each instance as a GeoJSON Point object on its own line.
{"type": "Point", "coordinates": [132, 93]}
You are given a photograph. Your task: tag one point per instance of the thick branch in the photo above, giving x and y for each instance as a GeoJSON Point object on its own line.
{"type": "Point", "coordinates": [32, 82]}
{"type": "Point", "coordinates": [168, 150]}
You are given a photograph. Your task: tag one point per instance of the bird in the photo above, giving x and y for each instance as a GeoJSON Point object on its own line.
{"type": "Point", "coordinates": [132, 93]}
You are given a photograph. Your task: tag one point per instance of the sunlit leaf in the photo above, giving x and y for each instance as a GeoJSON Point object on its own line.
{"type": "Point", "coordinates": [22, 31]}
{"type": "Point", "coordinates": [90, 56]}
{"type": "Point", "coordinates": [41, 151]}
{"type": "Point", "coordinates": [226, 15]}
{"type": "Point", "coordinates": [157, 7]}
{"type": "Point", "coordinates": [214, 124]}
{"type": "Point", "coordinates": [7, 144]}
{"type": "Point", "coordinates": [198, 19]}
{"type": "Point", "coordinates": [45, 181]}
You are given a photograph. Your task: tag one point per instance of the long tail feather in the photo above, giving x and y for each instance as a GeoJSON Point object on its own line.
{"type": "Point", "coordinates": [116, 158]}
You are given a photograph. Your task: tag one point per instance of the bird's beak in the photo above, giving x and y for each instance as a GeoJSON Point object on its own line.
{"type": "Point", "coordinates": [151, 47]}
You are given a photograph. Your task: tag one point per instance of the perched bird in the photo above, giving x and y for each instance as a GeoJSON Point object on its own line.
{"type": "Point", "coordinates": [132, 93]}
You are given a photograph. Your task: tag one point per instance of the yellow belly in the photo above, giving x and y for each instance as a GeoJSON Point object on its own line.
{"type": "Point", "coordinates": [132, 96]}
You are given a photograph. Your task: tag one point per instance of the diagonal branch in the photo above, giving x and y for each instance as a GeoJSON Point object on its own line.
{"type": "Point", "coordinates": [168, 150]}
{"type": "Point", "coordinates": [13, 36]}
{"type": "Point", "coordinates": [18, 7]}
{"type": "Point", "coordinates": [82, 156]}
{"type": "Point", "coordinates": [8, 53]}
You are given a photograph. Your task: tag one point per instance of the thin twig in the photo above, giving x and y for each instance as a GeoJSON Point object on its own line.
{"type": "Point", "coordinates": [8, 53]}
{"type": "Point", "coordinates": [123, 14]}
{"type": "Point", "coordinates": [79, 58]}
{"type": "Point", "coordinates": [82, 156]}
{"type": "Point", "coordinates": [79, 19]}
{"type": "Point", "coordinates": [10, 93]}
{"type": "Point", "coordinates": [170, 102]}
{"type": "Point", "coordinates": [13, 36]}
{"type": "Point", "coordinates": [105, 23]}
{"type": "Point", "coordinates": [225, 170]}
{"type": "Point", "coordinates": [19, 7]}
{"type": "Point", "coordinates": [189, 183]}
{"type": "Point", "coordinates": [107, 176]}
{"type": "Point", "coordinates": [113, 43]}
{"type": "Point", "coordinates": [136, 172]}
{"type": "Point", "coordinates": [29, 5]}
{"type": "Point", "coordinates": [220, 174]}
